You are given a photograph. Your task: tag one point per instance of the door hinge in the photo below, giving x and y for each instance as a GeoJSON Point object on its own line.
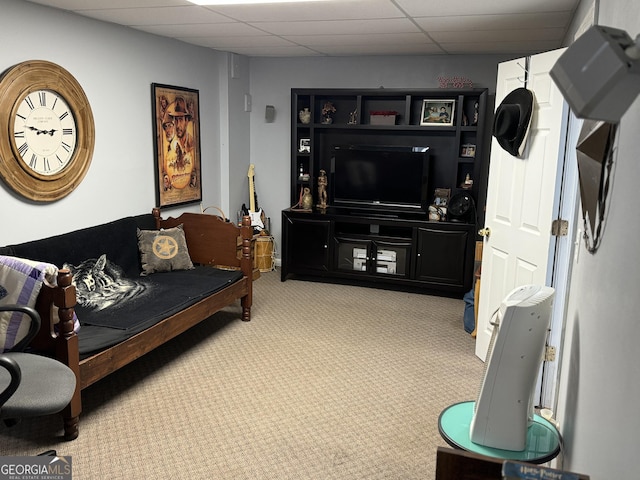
{"type": "Point", "coordinates": [560, 228]}
{"type": "Point", "coordinates": [549, 353]}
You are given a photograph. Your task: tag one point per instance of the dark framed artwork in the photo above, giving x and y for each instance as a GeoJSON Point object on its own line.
{"type": "Point", "coordinates": [176, 130]}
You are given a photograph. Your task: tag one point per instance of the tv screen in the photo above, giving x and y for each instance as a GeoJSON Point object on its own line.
{"type": "Point", "coordinates": [388, 177]}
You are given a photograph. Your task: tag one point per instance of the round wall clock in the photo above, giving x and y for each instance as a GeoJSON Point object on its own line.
{"type": "Point", "coordinates": [46, 140]}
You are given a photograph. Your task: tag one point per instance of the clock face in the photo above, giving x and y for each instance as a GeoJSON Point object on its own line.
{"type": "Point", "coordinates": [45, 132]}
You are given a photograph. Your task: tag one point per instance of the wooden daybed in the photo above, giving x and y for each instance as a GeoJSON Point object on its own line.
{"type": "Point", "coordinates": [211, 242]}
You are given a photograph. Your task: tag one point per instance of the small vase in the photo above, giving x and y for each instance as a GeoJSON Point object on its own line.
{"type": "Point", "coordinates": [305, 116]}
{"type": "Point", "coordinates": [327, 120]}
{"type": "Point", "coordinates": [307, 199]}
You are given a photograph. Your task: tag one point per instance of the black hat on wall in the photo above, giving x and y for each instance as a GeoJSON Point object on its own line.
{"type": "Point", "coordinates": [512, 121]}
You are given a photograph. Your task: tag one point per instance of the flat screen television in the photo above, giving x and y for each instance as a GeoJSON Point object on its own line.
{"type": "Point", "coordinates": [387, 177]}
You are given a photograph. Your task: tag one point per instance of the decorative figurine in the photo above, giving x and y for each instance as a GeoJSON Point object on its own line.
{"type": "Point", "coordinates": [467, 183]}
{"type": "Point", "coordinates": [322, 190]}
{"type": "Point", "coordinates": [353, 117]}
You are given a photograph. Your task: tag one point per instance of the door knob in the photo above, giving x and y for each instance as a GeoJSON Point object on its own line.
{"type": "Point", "coordinates": [485, 232]}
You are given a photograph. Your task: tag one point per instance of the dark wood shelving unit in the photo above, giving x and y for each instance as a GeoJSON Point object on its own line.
{"type": "Point", "coordinates": [366, 246]}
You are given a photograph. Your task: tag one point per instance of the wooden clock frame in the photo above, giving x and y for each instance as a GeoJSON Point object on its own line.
{"type": "Point", "coordinates": [15, 84]}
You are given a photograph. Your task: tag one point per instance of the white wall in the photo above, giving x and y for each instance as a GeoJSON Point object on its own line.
{"type": "Point", "coordinates": [273, 78]}
{"type": "Point", "coordinates": [600, 379]}
{"type": "Point", "coordinates": [115, 66]}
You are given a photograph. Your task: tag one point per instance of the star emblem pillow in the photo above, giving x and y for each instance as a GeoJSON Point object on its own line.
{"type": "Point", "coordinates": [163, 250]}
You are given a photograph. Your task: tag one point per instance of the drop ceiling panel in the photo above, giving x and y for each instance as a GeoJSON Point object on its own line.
{"type": "Point", "coordinates": [346, 27]}
{"type": "Point", "coordinates": [338, 27]}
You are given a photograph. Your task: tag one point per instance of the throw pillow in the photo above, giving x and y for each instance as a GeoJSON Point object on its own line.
{"type": "Point", "coordinates": [163, 250]}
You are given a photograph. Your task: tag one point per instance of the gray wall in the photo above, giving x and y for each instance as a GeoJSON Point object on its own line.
{"type": "Point", "coordinates": [599, 381]}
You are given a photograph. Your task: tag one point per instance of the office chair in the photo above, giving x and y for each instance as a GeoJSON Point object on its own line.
{"type": "Point", "coordinates": [32, 385]}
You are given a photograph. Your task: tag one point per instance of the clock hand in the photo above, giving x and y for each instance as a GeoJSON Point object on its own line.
{"type": "Point", "coordinates": [41, 132]}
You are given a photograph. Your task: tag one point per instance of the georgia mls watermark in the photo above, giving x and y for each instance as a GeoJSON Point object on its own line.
{"type": "Point", "coordinates": [35, 468]}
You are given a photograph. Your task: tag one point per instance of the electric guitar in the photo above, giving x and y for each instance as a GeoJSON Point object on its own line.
{"type": "Point", "coordinates": [256, 214]}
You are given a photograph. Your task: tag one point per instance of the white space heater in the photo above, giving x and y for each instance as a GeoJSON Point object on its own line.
{"type": "Point", "coordinates": [504, 407]}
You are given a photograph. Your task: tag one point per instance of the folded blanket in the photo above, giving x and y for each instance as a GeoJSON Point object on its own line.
{"type": "Point", "coordinates": [20, 283]}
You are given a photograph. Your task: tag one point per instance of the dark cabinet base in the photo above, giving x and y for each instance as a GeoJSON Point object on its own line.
{"type": "Point", "coordinates": [403, 250]}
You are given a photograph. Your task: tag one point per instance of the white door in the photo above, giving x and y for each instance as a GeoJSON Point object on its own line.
{"type": "Point", "coordinates": [522, 193]}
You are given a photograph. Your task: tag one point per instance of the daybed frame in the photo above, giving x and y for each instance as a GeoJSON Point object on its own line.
{"type": "Point", "coordinates": [211, 241]}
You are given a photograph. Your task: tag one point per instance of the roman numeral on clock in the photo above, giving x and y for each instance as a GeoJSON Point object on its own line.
{"type": "Point", "coordinates": [43, 98]}
{"type": "Point", "coordinates": [67, 131]}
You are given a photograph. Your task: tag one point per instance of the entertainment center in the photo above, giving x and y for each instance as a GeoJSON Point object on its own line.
{"type": "Point", "coordinates": [384, 153]}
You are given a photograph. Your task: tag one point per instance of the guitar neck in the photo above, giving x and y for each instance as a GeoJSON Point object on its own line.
{"type": "Point", "coordinates": [252, 197]}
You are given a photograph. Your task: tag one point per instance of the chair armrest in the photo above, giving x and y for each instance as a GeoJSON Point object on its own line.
{"type": "Point", "coordinates": [14, 370]}
{"type": "Point", "coordinates": [34, 327]}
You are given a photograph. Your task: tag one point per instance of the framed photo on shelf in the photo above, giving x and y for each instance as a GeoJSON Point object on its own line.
{"type": "Point", "coordinates": [438, 112]}
{"type": "Point", "coordinates": [441, 197]}
{"type": "Point", "coordinates": [176, 130]}
{"type": "Point", "coordinates": [468, 150]}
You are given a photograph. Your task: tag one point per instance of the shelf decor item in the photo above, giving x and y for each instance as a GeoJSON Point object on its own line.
{"type": "Point", "coordinates": [384, 117]}
{"type": "Point", "coordinates": [307, 199]}
{"type": "Point", "coordinates": [322, 190]}
{"type": "Point", "coordinates": [438, 112]}
{"type": "Point", "coordinates": [467, 183]}
{"type": "Point", "coordinates": [305, 145]}
{"type": "Point", "coordinates": [327, 113]}
{"type": "Point", "coordinates": [304, 115]}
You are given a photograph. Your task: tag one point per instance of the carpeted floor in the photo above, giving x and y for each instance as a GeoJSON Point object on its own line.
{"type": "Point", "coordinates": [326, 382]}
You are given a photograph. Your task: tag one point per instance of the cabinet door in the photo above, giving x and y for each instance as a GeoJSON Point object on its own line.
{"type": "Point", "coordinates": [443, 257]}
{"type": "Point", "coordinates": [352, 255]}
{"type": "Point", "coordinates": [391, 258]}
{"type": "Point", "coordinates": [307, 245]}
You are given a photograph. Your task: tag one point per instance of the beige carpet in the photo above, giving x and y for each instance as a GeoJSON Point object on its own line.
{"type": "Point", "coordinates": [326, 382]}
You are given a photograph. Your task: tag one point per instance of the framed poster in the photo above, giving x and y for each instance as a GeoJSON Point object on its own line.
{"type": "Point", "coordinates": [176, 130]}
{"type": "Point", "coordinates": [437, 112]}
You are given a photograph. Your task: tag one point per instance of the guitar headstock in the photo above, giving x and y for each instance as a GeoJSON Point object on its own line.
{"type": "Point", "coordinates": [251, 171]}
